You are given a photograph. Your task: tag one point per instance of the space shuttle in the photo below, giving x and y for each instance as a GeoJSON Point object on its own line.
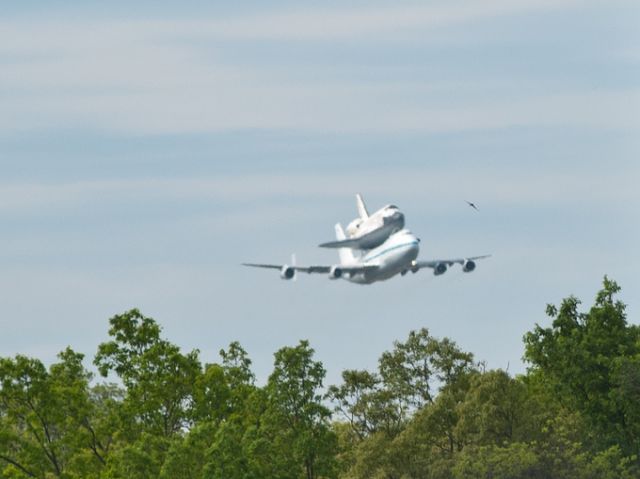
{"type": "Point", "coordinates": [374, 248]}
{"type": "Point", "coordinates": [369, 231]}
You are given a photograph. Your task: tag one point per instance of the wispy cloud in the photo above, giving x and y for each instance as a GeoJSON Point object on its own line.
{"type": "Point", "coordinates": [339, 24]}
{"type": "Point", "coordinates": [145, 76]}
{"type": "Point", "coordinates": [543, 189]}
{"type": "Point", "coordinates": [328, 23]}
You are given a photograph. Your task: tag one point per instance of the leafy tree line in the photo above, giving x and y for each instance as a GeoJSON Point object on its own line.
{"type": "Point", "coordinates": [429, 410]}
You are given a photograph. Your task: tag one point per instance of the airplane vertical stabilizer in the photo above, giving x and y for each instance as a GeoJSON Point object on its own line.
{"type": "Point", "coordinates": [346, 254]}
{"type": "Point", "coordinates": [362, 209]}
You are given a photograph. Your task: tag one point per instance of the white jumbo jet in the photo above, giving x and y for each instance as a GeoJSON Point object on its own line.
{"type": "Point", "coordinates": [369, 231]}
{"type": "Point", "coordinates": [397, 255]}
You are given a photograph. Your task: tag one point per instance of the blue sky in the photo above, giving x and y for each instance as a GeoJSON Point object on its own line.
{"type": "Point", "coordinates": [146, 152]}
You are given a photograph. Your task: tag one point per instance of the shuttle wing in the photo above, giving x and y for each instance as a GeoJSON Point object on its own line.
{"type": "Point", "coordinates": [353, 243]}
{"type": "Point", "coordinates": [366, 241]}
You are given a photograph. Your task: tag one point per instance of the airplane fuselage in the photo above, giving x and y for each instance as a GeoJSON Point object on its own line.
{"type": "Point", "coordinates": [374, 248]}
{"type": "Point", "coordinates": [393, 256]}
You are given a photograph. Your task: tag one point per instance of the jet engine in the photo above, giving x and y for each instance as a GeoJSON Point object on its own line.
{"type": "Point", "coordinates": [439, 269]}
{"type": "Point", "coordinates": [287, 272]}
{"type": "Point", "coordinates": [468, 266]}
{"type": "Point", "coordinates": [335, 272]}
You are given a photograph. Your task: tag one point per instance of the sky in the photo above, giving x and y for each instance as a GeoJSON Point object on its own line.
{"type": "Point", "coordinates": [147, 150]}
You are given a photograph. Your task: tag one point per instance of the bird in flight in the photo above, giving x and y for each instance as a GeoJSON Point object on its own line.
{"type": "Point", "coordinates": [472, 205]}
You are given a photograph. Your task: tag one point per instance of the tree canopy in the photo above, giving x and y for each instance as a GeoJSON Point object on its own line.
{"type": "Point", "coordinates": [429, 410]}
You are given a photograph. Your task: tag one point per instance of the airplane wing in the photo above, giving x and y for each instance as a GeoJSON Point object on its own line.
{"type": "Point", "coordinates": [440, 266]}
{"type": "Point", "coordinates": [288, 270]}
{"type": "Point", "coordinates": [305, 269]}
{"type": "Point", "coordinates": [449, 262]}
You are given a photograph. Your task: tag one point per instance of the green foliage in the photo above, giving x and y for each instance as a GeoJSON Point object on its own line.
{"type": "Point", "coordinates": [49, 426]}
{"type": "Point", "coordinates": [514, 461]}
{"type": "Point", "coordinates": [410, 369]}
{"type": "Point", "coordinates": [139, 459]}
{"type": "Point", "coordinates": [279, 431]}
{"type": "Point", "coordinates": [295, 419]}
{"type": "Point", "coordinates": [405, 382]}
{"type": "Point", "coordinates": [358, 399]}
{"type": "Point", "coordinates": [159, 379]}
{"type": "Point", "coordinates": [187, 456]}
{"type": "Point", "coordinates": [612, 464]}
{"type": "Point", "coordinates": [588, 358]}
{"type": "Point", "coordinates": [427, 412]}
{"type": "Point", "coordinates": [390, 440]}
{"type": "Point", "coordinates": [496, 410]}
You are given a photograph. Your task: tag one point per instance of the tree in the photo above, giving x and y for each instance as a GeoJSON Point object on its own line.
{"type": "Point", "coordinates": [626, 394]}
{"type": "Point", "coordinates": [360, 400]}
{"type": "Point", "coordinates": [495, 410]}
{"type": "Point", "coordinates": [514, 461]}
{"type": "Point", "coordinates": [407, 380]}
{"type": "Point", "coordinates": [582, 356]}
{"type": "Point", "coordinates": [47, 419]}
{"type": "Point", "coordinates": [412, 368]}
{"type": "Point", "coordinates": [236, 366]}
{"type": "Point", "coordinates": [139, 458]}
{"type": "Point", "coordinates": [397, 415]}
{"type": "Point", "coordinates": [187, 456]}
{"type": "Point", "coordinates": [295, 418]}
{"type": "Point", "coordinates": [229, 407]}
{"type": "Point", "coordinates": [159, 379]}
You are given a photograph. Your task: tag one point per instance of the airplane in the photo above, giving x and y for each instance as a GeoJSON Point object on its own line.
{"type": "Point", "coordinates": [369, 231]}
{"type": "Point", "coordinates": [396, 255]}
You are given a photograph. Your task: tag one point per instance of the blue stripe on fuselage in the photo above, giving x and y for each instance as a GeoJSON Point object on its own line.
{"type": "Point", "coordinates": [389, 250]}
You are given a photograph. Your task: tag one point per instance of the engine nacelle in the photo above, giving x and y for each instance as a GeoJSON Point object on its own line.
{"type": "Point", "coordinates": [335, 272]}
{"type": "Point", "coordinates": [439, 269]}
{"type": "Point", "coordinates": [468, 266]}
{"type": "Point", "coordinates": [287, 272]}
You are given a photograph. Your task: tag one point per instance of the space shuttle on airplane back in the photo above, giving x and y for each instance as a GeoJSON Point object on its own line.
{"type": "Point", "coordinates": [370, 231]}
{"type": "Point", "coordinates": [384, 249]}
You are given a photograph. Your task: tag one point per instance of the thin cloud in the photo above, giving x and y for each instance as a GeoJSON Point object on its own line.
{"type": "Point", "coordinates": [302, 24]}
{"type": "Point", "coordinates": [346, 23]}
{"type": "Point", "coordinates": [515, 189]}
{"type": "Point", "coordinates": [150, 77]}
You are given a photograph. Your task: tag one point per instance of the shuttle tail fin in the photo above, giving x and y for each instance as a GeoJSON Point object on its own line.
{"type": "Point", "coordinates": [362, 209]}
{"type": "Point", "coordinates": [346, 254]}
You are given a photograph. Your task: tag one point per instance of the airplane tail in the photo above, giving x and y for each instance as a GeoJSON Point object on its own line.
{"type": "Point", "coordinates": [362, 209]}
{"type": "Point", "coordinates": [346, 254]}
